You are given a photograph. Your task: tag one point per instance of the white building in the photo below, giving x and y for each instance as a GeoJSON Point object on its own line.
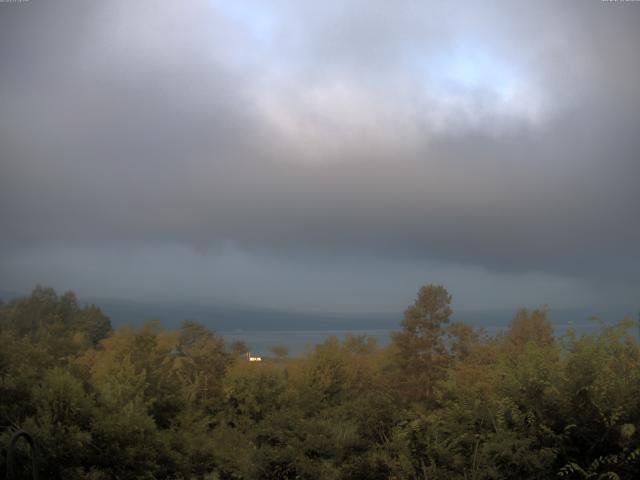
{"type": "Point", "coordinates": [253, 359]}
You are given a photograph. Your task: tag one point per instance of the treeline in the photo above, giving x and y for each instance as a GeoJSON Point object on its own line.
{"type": "Point", "coordinates": [442, 401]}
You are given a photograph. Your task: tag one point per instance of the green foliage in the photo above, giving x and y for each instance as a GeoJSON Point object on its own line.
{"type": "Point", "coordinates": [441, 402]}
{"type": "Point", "coordinates": [61, 422]}
{"type": "Point", "coordinates": [45, 315]}
{"type": "Point", "coordinates": [421, 352]}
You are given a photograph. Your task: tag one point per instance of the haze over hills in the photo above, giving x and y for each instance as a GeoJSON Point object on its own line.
{"type": "Point", "coordinates": [227, 318]}
{"type": "Point", "coordinates": [236, 317]}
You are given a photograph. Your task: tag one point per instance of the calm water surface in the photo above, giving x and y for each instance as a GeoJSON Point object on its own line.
{"type": "Point", "coordinates": [299, 341]}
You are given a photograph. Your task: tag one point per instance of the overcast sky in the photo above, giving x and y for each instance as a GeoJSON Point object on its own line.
{"type": "Point", "coordinates": [327, 156]}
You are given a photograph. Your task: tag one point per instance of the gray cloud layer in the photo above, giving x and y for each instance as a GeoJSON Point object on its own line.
{"type": "Point", "coordinates": [493, 135]}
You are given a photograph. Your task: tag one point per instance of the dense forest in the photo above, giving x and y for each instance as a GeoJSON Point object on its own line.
{"type": "Point", "coordinates": [442, 401]}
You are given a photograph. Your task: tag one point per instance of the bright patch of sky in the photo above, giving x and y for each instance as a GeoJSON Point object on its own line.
{"type": "Point", "coordinates": [476, 84]}
{"type": "Point", "coordinates": [258, 23]}
{"type": "Point", "coordinates": [470, 84]}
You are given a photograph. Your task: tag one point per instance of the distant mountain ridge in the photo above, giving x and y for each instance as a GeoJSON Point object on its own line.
{"type": "Point", "coordinates": [230, 318]}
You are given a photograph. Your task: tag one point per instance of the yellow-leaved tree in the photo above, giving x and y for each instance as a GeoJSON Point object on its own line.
{"type": "Point", "coordinates": [421, 351]}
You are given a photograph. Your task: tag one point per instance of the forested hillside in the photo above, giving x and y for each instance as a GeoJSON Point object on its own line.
{"type": "Point", "coordinates": [443, 401]}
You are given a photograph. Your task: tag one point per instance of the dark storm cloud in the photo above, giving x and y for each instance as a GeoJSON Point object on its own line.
{"type": "Point", "coordinates": [490, 134]}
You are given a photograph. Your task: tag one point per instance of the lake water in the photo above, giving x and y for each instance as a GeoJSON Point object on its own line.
{"type": "Point", "coordinates": [261, 341]}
